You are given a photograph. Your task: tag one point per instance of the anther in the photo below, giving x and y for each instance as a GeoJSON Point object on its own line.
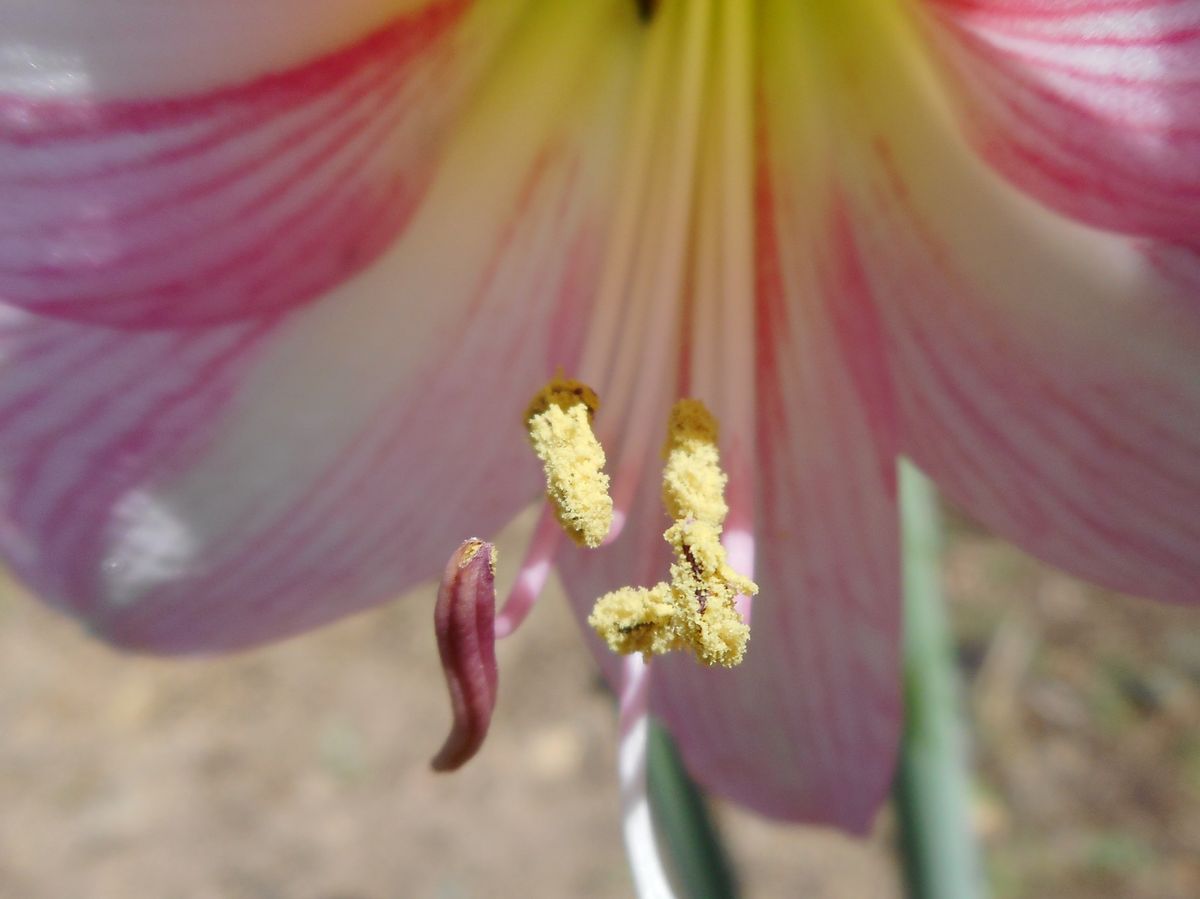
{"type": "Point", "coordinates": [637, 619]}
{"type": "Point", "coordinates": [693, 483]}
{"type": "Point", "coordinates": [559, 420]}
{"type": "Point", "coordinates": [696, 610]}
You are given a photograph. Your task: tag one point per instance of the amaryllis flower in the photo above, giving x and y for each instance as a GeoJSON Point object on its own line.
{"type": "Point", "coordinates": [279, 278]}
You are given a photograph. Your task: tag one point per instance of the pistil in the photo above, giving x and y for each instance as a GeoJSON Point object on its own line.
{"type": "Point", "coordinates": [463, 622]}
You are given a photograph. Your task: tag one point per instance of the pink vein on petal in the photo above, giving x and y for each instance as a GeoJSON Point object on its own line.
{"type": "Point", "coordinates": [806, 727]}
{"type": "Point", "coordinates": [283, 565]}
{"type": "Point", "coordinates": [1093, 107]}
{"type": "Point", "coordinates": [237, 202]}
{"type": "Point", "coordinates": [1077, 442]}
{"type": "Point", "coordinates": [72, 457]}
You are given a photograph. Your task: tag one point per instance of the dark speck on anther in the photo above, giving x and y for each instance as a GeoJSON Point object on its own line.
{"type": "Point", "coordinates": [646, 9]}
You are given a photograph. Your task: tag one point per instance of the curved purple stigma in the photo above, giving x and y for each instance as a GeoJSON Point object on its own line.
{"type": "Point", "coordinates": [464, 620]}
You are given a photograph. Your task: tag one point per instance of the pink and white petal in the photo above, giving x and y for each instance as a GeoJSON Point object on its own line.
{"type": "Point", "coordinates": [806, 728]}
{"type": "Point", "coordinates": [85, 415]}
{"type": "Point", "coordinates": [1093, 106]}
{"type": "Point", "coordinates": [342, 448]}
{"type": "Point", "coordinates": [1047, 374]}
{"type": "Point", "coordinates": [243, 198]}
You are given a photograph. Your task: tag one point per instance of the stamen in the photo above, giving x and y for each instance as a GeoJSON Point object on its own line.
{"type": "Point", "coordinates": [637, 619]}
{"type": "Point", "coordinates": [630, 341]}
{"type": "Point", "coordinates": [560, 428]}
{"type": "Point", "coordinates": [697, 609]}
{"type": "Point", "coordinates": [531, 576]}
{"type": "Point", "coordinates": [721, 365]}
{"type": "Point", "coordinates": [641, 845]}
{"type": "Point", "coordinates": [693, 483]}
{"type": "Point", "coordinates": [464, 622]}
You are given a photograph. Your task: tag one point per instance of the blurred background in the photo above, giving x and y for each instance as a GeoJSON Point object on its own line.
{"type": "Point", "coordinates": [300, 771]}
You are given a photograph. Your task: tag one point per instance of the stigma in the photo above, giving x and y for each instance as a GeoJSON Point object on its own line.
{"type": "Point", "coordinates": [463, 621]}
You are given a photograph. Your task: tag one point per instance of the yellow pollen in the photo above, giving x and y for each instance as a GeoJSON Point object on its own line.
{"type": "Point", "coordinates": [637, 619]}
{"type": "Point", "coordinates": [693, 483]}
{"type": "Point", "coordinates": [696, 610]}
{"type": "Point", "coordinates": [559, 420]}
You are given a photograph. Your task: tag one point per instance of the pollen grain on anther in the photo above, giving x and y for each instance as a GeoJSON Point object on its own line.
{"type": "Point", "coordinates": [696, 610]}
{"type": "Point", "coordinates": [559, 421]}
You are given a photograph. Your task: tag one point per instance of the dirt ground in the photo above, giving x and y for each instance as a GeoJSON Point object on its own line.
{"type": "Point", "coordinates": [300, 771]}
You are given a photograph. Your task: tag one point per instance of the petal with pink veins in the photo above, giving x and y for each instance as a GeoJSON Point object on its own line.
{"type": "Point", "coordinates": [1091, 105]}
{"type": "Point", "coordinates": [207, 487]}
{"type": "Point", "coordinates": [1047, 374]}
{"type": "Point", "coordinates": [247, 197]}
{"type": "Point", "coordinates": [806, 728]}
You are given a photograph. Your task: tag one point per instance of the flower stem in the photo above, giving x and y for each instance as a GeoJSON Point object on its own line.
{"type": "Point", "coordinates": [940, 854]}
{"type": "Point", "coordinates": [697, 856]}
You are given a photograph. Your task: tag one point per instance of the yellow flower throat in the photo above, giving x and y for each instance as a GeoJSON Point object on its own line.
{"type": "Point", "coordinates": [696, 610]}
